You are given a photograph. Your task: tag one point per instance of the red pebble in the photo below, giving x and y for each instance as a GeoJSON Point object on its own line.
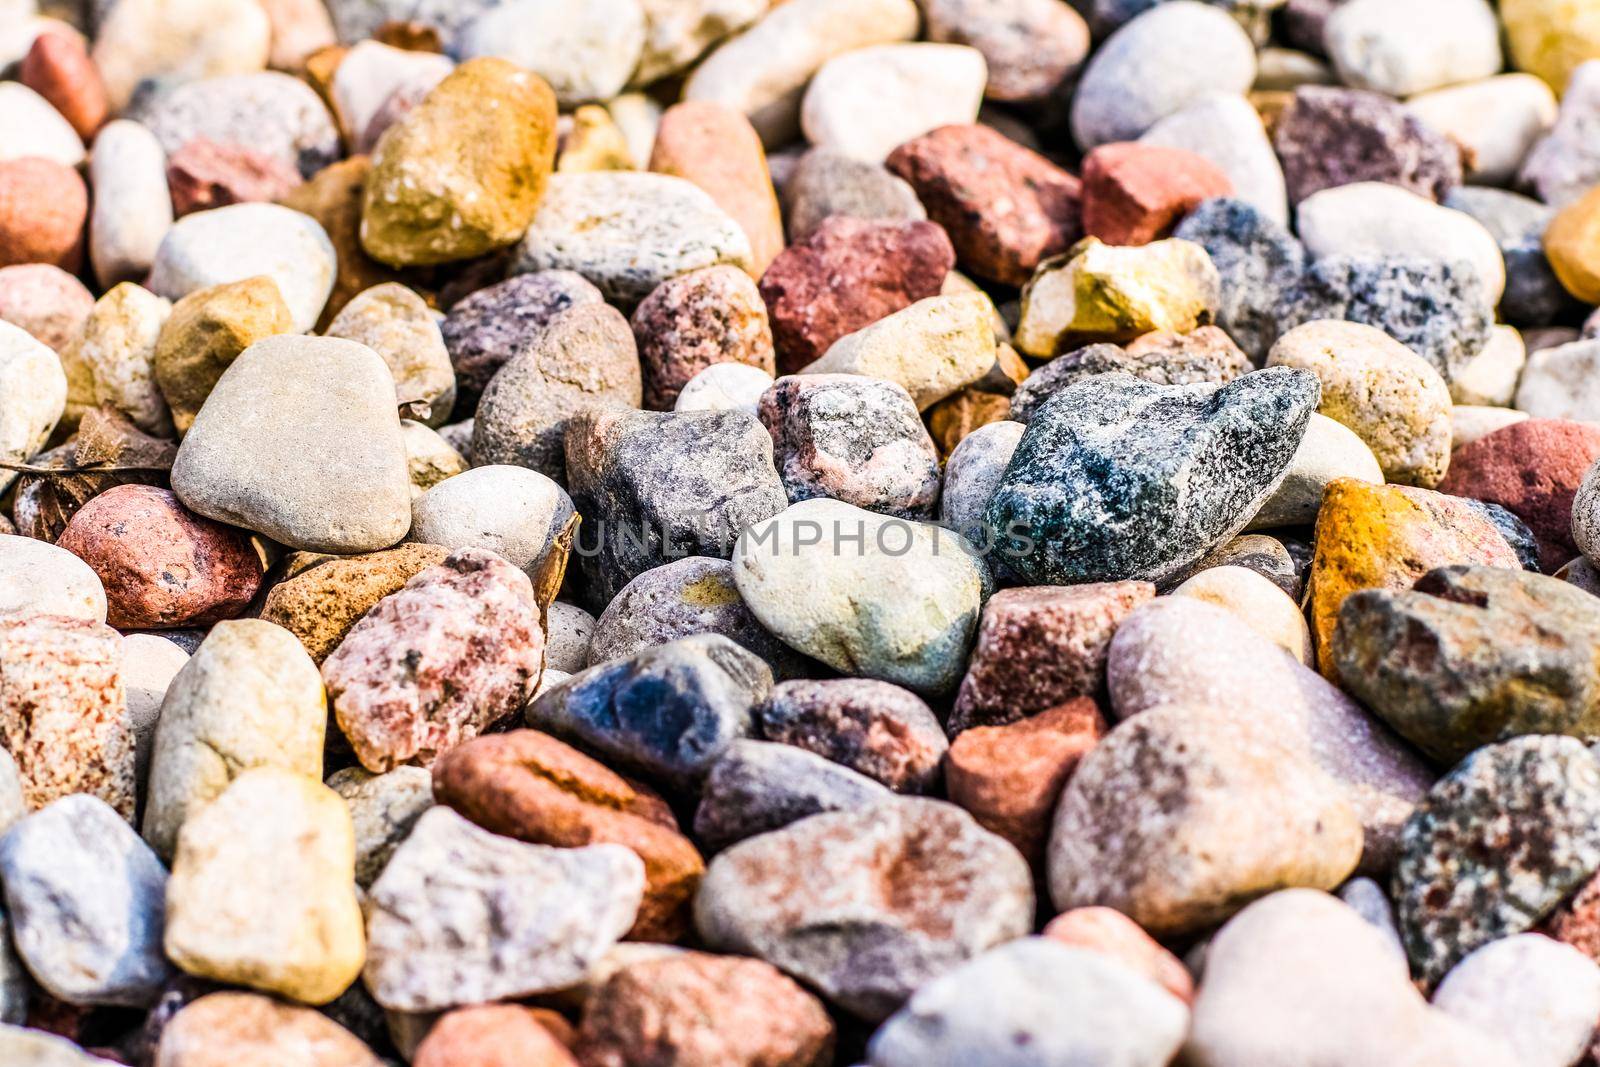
{"type": "Point", "coordinates": [59, 69]}
{"type": "Point", "coordinates": [43, 207]}
{"type": "Point", "coordinates": [1136, 193]}
{"type": "Point", "coordinates": [206, 174]}
{"type": "Point", "coordinates": [1111, 933]}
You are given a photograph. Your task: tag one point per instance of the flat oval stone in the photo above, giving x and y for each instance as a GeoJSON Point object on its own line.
{"type": "Point", "coordinates": [132, 207]}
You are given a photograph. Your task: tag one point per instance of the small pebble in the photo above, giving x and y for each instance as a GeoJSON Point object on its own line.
{"type": "Point", "coordinates": [880, 730]}
{"type": "Point", "coordinates": [867, 102]}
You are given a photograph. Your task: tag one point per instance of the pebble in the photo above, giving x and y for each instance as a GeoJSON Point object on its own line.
{"type": "Point", "coordinates": [868, 101]}
{"type": "Point", "coordinates": [905, 890]}
{"type": "Point", "coordinates": [40, 1049]}
{"type": "Point", "coordinates": [1204, 355]}
{"type": "Point", "coordinates": [512, 919]}
{"type": "Point", "coordinates": [1469, 423]}
{"type": "Point", "coordinates": [383, 810]}
{"type": "Point", "coordinates": [1562, 166]}
{"type": "Point", "coordinates": [262, 892]}
{"type": "Point", "coordinates": [1494, 847]}
{"type": "Point", "coordinates": [1006, 209]}
{"type": "Point", "coordinates": [1256, 600]}
{"type": "Point", "coordinates": [1586, 515]}
{"type": "Point", "coordinates": [492, 1034]}
{"type": "Point", "coordinates": [629, 232]}
{"type": "Point", "coordinates": [1259, 263]}
{"type": "Point", "coordinates": [1329, 450]}
{"type": "Point", "coordinates": [1155, 65]}
{"type": "Point", "coordinates": [585, 52]}
{"type": "Point", "coordinates": [320, 604]}
{"type": "Point", "coordinates": [1331, 135]}
{"type": "Point", "coordinates": [37, 578]}
{"type": "Point", "coordinates": [527, 785]}
{"type": "Point", "coordinates": [204, 332]}
{"type": "Point", "coordinates": [370, 73]}
{"type": "Point", "coordinates": [971, 473]}
{"type": "Point", "coordinates": [117, 349]}
{"type": "Point", "coordinates": [424, 205]}
{"type": "Point", "coordinates": [325, 472]}
{"type": "Point", "coordinates": [1423, 46]}
{"type": "Point", "coordinates": [1225, 130]}
{"type": "Point", "coordinates": [1031, 47]}
{"type": "Point", "coordinates": [1498, 120]}
{"type": "Point", "coordinates": [1491, 376]}
{"type": "Point", "coordinates": [63, 713]}
{"type": "Point", "coordinates": [879, 730]}
{"type": "Point", "coordinates": [226, 1028]}
{"type": "Point", "coordinates": [763, 70]}
{"type": "Point", "coordinates": [1163, 493]}
{"type": "Point", "coordinates": [569, 631]}
{"type": "Point", "coordinates": [693, 595]}
{"type": "Point", "coordinates": [483, 331]}
{"type": "Point", "coordinates": [394, 322]}
{"type": "Point", "coordinates": [1533, 468]}
{"type": "Point", "coordinates": [58, 68]}
{"type": "Point", "coordinates": [455, 651]}
{"type": "Point", "coordinates": [756, 787]}
{"type": "Point", "coordinates": [1112, 934]}
{"type": "Point", "coordinates": [1039, 648]}
{"type": "Point", "coordinates": [1101, 292]}
{"type": "Point", "coordinates": [688, 324]}
{"type": "Point", "coordinates": [843, 615]}
{"type": "Point", "coordinates": [512, 512]}
{"type": "Point", "coordinates": [716, 148]}
{"type": "Point", "coordinates": [1387, 394]}
{"type": "Point", "coordinates": [667, 712]}
{"type": "Point", "coordinates": [1566, 245]}
{"type": "Point", "coordinates": [848, 275]}
{"type": "Point", "coordinates": [429, 458]}
{"type": "Point", "coordinates": [357, 19]}
{"type": "Point", "coordinates": [248, 697]}
{"type": "Point", "coordinates": [30, 127]}
{"type": "Point", "coordinates": [300, 28]}
{"type": "Point", "coordinates": [174, 41]}
{"type": "Point", "coordinates": [1541, 997]}
{"type": "Point", "coordinates": [1549, 37]}
{"type": "Point", "coordinates": [1135, 193]}
{"type": "Point", "coordinates": [33, 395]}
{"type": "Point", "coordinates": [270, 115]}
{"type": "Point", "coordinates": [677, 32]}
{"type": "Point", "coordinates": [43, 207]}
{"type": "Point", "coordinates": [45, 301]}
{"type": "Point", "coordinates": [1137, 794]}
{"type": "Point", "coordinates": [1555, 384]}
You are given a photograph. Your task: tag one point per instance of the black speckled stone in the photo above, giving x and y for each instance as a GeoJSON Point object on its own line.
{"type": "Point", "coordinates": [1495, 846]}
{"type": "Point", "coordinates": [1516, 532]}
{"type": "Point", "coordinates": [1161, 366]}
{"type": "Point", "coordinates": [667, 713]}
{"type": "Point", "coordinates": [1259, 261]}
{"type": "Point", "coordinates": [487, 328]}
{"type": "Point", "coordinates": [1117, 478]}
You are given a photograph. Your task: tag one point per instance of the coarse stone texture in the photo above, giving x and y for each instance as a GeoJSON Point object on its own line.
{"type": "Point", "coordinates": [33, 396]}
{"type": "Point", "coordinates": [205, 174]}
{"type": "Point", "coordinates": [1006, 208]}
{"type": "Point", "coordinates": [463, 916]}
{"type": "Point", "coordinates": [716, 148]}
{"type": "Point", "coordinates": [658, 486]}
{"type": "Point", "coordinates": [46, 302]}
{"type": "Point", "coordinates": [756, 787]}
{"type": "Point", "coordinates": [1331, 135]}
{"type": "Point", "coordinates": [1473, 655]}
{"type": "Point", "coordinates": [1494, 847]}
{"type": "Point", "coordinates": [852, 438]}
{"type": "Point", "coordinates": [585, 52]}
{"type": "Point", "coordinates": [1386, 537]}
{"type": "Point", "coordinates": [868, 101]}
{"type": "Point", "coordinates": [1329, 450]}
{"type": "Point", "coordinates": [696, 1008]}
{"type": "Point", "coordinates": [320, 605]}
{"type": "Point", "coordinates": [628, 232]}
{"type": "Point", "coordinates": [262, 892]}
{"type": "Point", "coordinates": [1184, 813]}
{"type": "Point", "coordinates": [161, 565]}
{"type": "Point", "coordinates": [85, 899]}
{"type": "Point", "coordinates": [383, 810]}
{"type": "Point", "coordinates": [1134, 193]}
{"type": "Point", "coordinates": [569, 631]}
{"type": "Point", "coordinates": [763, 71]}
{"type": "Point", "coordinates": [695, 321]}
{"type": "Point", "coordinates": [1112, 934]}
{"type": "Point", "coordinates": [1550, 37]}
{"type": "Point", "coordinates": [204, 332]}
{"type": "Point", "coordinates": [273, 116]}
{"type": "Point", "coordinates": [1393, 399]}
{"type": "Point", "coordinates": [1032, 47]}
{"type": "Point", "coordinates": [1039, 648]}
{"type": "Point", "coordinates": [510, 511]}
{"type": "Point", "coordinates": [396, 323]}
{"type": "Point", "coordinates": [666, 712]}
{"type": "Point", "coordinates": [132, 208]}
{"type": "Point", "coordinates": [584, 357]}
{"type": "Point", "coordinates": [1539, 996]}
{"type": "Point", "coordinates": [177, 41]}
{"type": "Point", "coordinates": [971, 472]}
{"type": "Point", "coordinates": [866, 906]}
{"type": "Point", "coordinates": [528, 785]}
{"type": "Point", "coordinates": [248, 697]}
{"type": "Point", "coordinates": [233, 1029]}
{"type": "Point", "coordinates": [1032, 1001]}
{"type": "Point", "coordinates": [63, 713]}
{"type": "Point", "coordinates": [1185, 652]}
{"type": "Point", "coordinates": [826, 182]}
{"type": "Point", "coordinates": [1009, 777]}
{"type": "Point", "coordinates": [240, 241]}
{"type": "Point", "coordinates": [43, 206]}
{"type": "Point", "coordinates": [37, 578]}
{"type": "Point", "coordinates": [463, 173]}
{"type": "Point", "coordinates": [455, 651]}
{"type": "Point", "coordinates": [1532, 468]}
{"type": "Point", "coordinates": [1193, 49]}
{"type": "Point", "coordinates": [1409, 50]}
{"type": "Point", "coordinates": [1259, 263]}
{"type": "Point", "coordinates": [693, 595]}
{"type": "Point", "coordinates": [1203, 355]}
{"type": "Point", "coordinates": [880, 730]}
{"type": "Point", "coordinates": [932, 349]}
{"type": "Point", "coordinates": [1101, 292]}
{"type": "Point", "coordinates": [848, 274]}
{"type": "Point", "coordinates": [1225, 130]}
{"type": "Point", "coordinates": [1117, 478]}
{"type": "Point", "coordinates": [117, 350]}
{"type": "Point", "coordinates": [492, 325]}
{"type": "Point", "coordinates": [869, 595]}
{"type": "Point", "coordinates": [300, 441]}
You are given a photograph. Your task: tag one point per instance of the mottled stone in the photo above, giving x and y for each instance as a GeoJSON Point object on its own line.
{"type": "Point", "coordinates": [383, 809]}
{"type": "Point", "coordinates": [1495, 846]}
{"type": "Point", "coordinates": [826, 182]}
{"type": "Point", "coordinates": [1032, 47]}
{"type": "Point", "coordinates": [1006, 208]}
{"type": "Point", "coordinates": [1134, 193]}
{"type": "Point", "coordinates": [463, 916]}
{"type": "Point", "coordinates": [394, 322]}
{"type": "Point", "coordinates": [1332, 136]}
{"type": "Point", "coordinates": [321, 604]}
{"type": "Point", "coordinates": [430, 459]}
{"type": "Point", "coordinates": [117, 351]}
{"type": "Point", "coordinates": [880, 730]}
{"type": "Point", "coordinates": [205, 174]}
{"type": "Point", "coordinates": [1259, 262]}
{"type": "Point", "coordinates": [490, 326]}
{"type": "Point", "coordinates": [455, 651]}
{"type": "Point", "coordinates": [866, 906]}
{"type": "Point", "coordinates": [695, 321]}
{"type": "Point", "coordinates": [756, 787]}
{"type": "Point", "coordinates": [1205, 355]}
{"type": "Point", "coordinates": [231, 1029]}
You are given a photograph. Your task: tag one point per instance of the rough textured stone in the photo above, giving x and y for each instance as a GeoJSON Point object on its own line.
{"type": "Point", "coordinates": [205, 174]}
{"type": "Point", "coordinates": [63, 714]}
{"type": "Point", "coordinates": [232, 1029]}
{"type": "Point", "coordinates": [1332, 136]}
{"type": "Point", "coordinates": [866, 906]}
{"type": "Point", "coordinates": [463, 173]}
{"type": "Point", "coordinates": [492, 325]}
{"type": "Point", "coordinates": [394, 322]}
{"type": "Point", "coordinates": [262, 892]}
{"type": "Point", "coordinates": [756, 787]}
{"type": "Point", "coordinates": [205, 332]}
{"type": "Point", "coordinates": [880, 730]}
{"type": "Point", "coordinates": [455, 651]}
{"type": "Point", "coordinates": [1259, 262]}
{"type": "Point", "coordinates": [695, 321]}
{"type": "Point", "coordinates": [117, 350]}
{"type": "Point", "coordinates": [1205, 355]}
{"type": "Point", "coordinates": [1006, 208]}
{"type": "Point", "coordinates": [463, 916]}
{"type": "Point", "coordinates": [320, 604]}
{"type": "Point", "coordinates": [85, 899]}
{"type": "Point", "coordinates": [383, 809]}
{"type": "Point", "coordinates": [1495, 846]}
{"type": "Point", "coordinates": [1134, 193]}
{"type": "Point", "coordinates": [1031, 47]}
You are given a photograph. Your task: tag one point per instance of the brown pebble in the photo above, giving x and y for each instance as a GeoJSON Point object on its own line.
{"type": "Point", "coordinates": [333, 198]}
{"type": "Point", "coordinates": [320, 603]}
{"type": "Point", "coordinates": [59, 69]}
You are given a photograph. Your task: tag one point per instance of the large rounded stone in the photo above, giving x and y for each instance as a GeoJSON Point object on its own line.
{"type": "Point", "coordinates": [37, 578]}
